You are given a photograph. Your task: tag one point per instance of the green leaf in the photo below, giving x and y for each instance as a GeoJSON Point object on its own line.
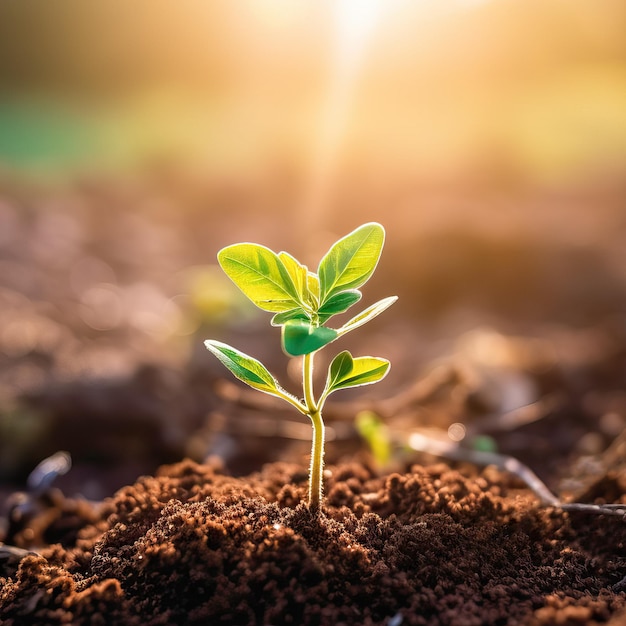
{"type": "Point", "coordinates": [306, 282]}
{"type": "Point", "coordinates": [286, 316]}
{"type": "Point", "coordinates": [340, 367]}
{"type": "Point", "coordinates": [338, 303]}
{"type": "Point", "coordinates": [245, 368]}
{"type": "Point", "coordinates": [302, 338]}
{"type": "Point", "coordinates": [351, 261]}
{"type": "Point", "coordinates": [368, 314]}
{"type": "Point", "coordinates": [298, 274]}
{"type": "Point", "coordinates": [346, 371]}
{"type": "Point", "coordinates": [313, 286]}
{"type": "Point", "coordinates": [261, 275]}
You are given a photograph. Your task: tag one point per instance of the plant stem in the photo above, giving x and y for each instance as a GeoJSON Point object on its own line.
{"type": "Point", "coordinates": [316, 471]}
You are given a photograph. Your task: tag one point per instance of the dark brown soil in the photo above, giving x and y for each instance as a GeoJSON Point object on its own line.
{"type": "Point", "coordinates": [433, 545]}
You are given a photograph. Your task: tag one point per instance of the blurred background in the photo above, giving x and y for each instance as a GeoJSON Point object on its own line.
{"type": "Point", "coordinates": [136, 139]}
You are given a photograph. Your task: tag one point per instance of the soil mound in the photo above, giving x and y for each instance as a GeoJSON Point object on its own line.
{"type": "Point", "coordinates": [431, 546]}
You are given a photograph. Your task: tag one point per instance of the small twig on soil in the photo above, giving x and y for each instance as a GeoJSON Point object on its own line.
{"type": "Point", "coordinates": [515, 418]}
{"type": "Point", "coordinates": [619, 586]}
{"type": "Point", "coordinates": [7, 551]}
{"type": "Point", "coordinates": [451, 450]}
{"type": "Point", "coordinates": [617, 510]}
{"type": "Point", "coordinates": [42, 477]}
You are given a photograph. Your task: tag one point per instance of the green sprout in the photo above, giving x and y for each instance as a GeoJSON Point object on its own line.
{"type": "Point", "coordinates": [303, 302]}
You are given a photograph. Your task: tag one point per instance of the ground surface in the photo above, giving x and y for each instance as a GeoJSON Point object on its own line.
{"type": "Point", "coordinates": [430, 546]}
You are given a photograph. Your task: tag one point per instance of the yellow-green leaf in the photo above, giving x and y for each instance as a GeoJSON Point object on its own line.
{"type": "Point", "coordinates": [261, 275]}
{"type": "Point", "coordinates": [298, 274]}
{"type": "Point", "coordinates": [346, 371]}
{"type": "Point", "coordinates": [313, 287]}
{"type": "Point", "coordinates": [351, 261]}
{"type": "Point", "coordinates": [368, 314]}
{"type": "Point", "coordinates": [245, 368]}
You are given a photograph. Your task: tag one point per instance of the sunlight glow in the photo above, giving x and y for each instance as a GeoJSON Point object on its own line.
{"type": "Point", "coordinates": [355, 20]}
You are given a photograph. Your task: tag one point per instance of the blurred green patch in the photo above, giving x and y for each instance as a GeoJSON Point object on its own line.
{"type": "Point", "coordinates": [43, 136]}
{"type": "Point", "coordinates": [213, 297]}
{"type": "Point", "coordinates": [376, 434]}
{"type": "Point", "coordinates": [22, 433]}
{"type": "Point", "coordinates": [57, 136]}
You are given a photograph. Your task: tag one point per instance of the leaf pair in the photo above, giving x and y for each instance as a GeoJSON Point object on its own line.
{"type": "Point", "coordinates": [279, 283]}
{"type": "Point", "coordinates": [302, 300]}
{"type": "Point", "coordinates": [344, 372]}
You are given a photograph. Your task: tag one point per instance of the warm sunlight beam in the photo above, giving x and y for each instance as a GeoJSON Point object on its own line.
{"type": "Point", "coordinates": [354, 23]}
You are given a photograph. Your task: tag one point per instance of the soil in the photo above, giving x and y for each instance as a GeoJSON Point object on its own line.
{"type": "Point", "coordinates": [433, 545]}
{"type": "Point", "coordinates": [509, 336]}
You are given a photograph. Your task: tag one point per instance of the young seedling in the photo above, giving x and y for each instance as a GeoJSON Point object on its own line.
{"type": "Point", "coordinates": [303, 302]}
